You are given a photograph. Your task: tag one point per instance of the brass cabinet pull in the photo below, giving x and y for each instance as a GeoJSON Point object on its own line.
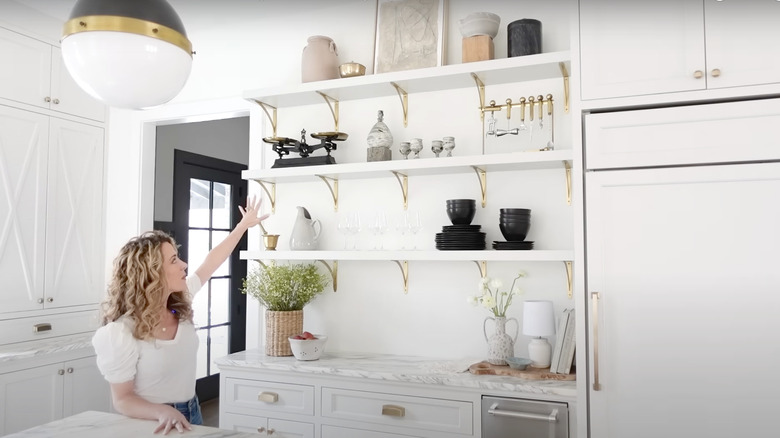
{"type": "Point", "coordinates": [594, 296]}
{"type": "Point", "coordinates": [61, 372]}
{"type": "Point", "coordinates": [50, 300]}
{"type": "Point", "coordinates": [268, 397]}
{"type": "Point", "coordinates": [260, 429]}
{"type": "Point", "coordinates": [40, 300]}
{"type": "Point", "coordinates": [47, 99]}
{"type": "Point", "coordinates": [56, 101]}
{"type": "Point", "coordinates": [271, 431]}
{"type": "Point", "coordinates": [42, 327]}
{"type": "Point", "coordinates": [393, 410]}
{"type": "Point", "coordinates": [698, 74]}
{"type": "Point", "coordinates": [715, 72]}
{"type": "Point", "coordinates": [70, 370]}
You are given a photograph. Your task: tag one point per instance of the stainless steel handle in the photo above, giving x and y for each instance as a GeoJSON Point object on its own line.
{"type": "Point", "coordinates": [42, 327]}
{"type": "Point", "coordinates": [393, 410]}
{"type": "Point", "coordinates": [268, 397]}
{"type": "Point", "coordinates": [594, 297]}
{"type": "Point", "coordinates": [698, 74]}
{"type": "Point", "coordinates": [70, 370]}
{"type": "Point", "coordinates": [551, 418]}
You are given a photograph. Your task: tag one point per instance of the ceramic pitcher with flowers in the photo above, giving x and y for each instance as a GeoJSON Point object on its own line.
{"type": "Point", "coordinates": [500, 344]}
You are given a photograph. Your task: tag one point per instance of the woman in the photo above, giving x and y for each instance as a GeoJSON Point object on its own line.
{"type": "Point", "coordinates": [147, 347]}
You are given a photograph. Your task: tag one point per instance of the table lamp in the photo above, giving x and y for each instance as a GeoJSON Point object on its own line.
{"type": "Point", "coordinates": [538, 322]}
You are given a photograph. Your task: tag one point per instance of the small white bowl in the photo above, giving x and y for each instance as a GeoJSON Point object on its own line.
{"type": "Point", "coordinates": [480, 23]}
{"type": "Point", "coordinates": [308, 349]}
{"type": "Point", "coordinates": [518, 363]}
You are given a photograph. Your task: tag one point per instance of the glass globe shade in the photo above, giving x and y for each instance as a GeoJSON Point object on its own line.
{"type": "Point", "coordinates": [126, 70]}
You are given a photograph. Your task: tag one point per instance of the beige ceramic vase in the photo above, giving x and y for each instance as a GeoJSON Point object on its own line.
{"type": "Point", "coordinates": [320, 60]}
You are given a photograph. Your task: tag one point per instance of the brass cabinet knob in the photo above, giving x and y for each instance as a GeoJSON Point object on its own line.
{"type": "Point", "coordinates": [40, 300]}
{"type": "Point", "coordinates": [50, 300]}
{"type": "Point", "coordinates": [47, 99]}
{"type": "Point", "coordinates": [260, 429]}
{"type": "Point", "coordinates": [60, 372]}
{"type": "Point", "coordinates": [698, 74]}
{"type": "Point", "coordinates": [56, 101]}
{"type": "Point", "coordinates": [271, 431]}
{"type": "Point", "coordinates": [70, 370]}
{"type": "Point", "coordinates": [715, 72]}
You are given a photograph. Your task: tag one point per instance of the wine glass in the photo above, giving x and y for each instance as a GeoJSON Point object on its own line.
{"type": "Point", "coordinates": [343, 227]}
{"type": "Point", "coordinates": [449, 145]}
{"type": "Point", "coordinates": [405, 149]}
{"type": "Point", "coordinates": [354, 227]}
{"type": "Point", "coordinates": [402, 226]}
{"type": "Point", "coordinates": [380, 227]}
{"type": "Point", "coordinates": [437, 147]}
{"type": "Point", "coordinates": [416, 145]}
{"type": "Point", "coordinates": [414, 225]}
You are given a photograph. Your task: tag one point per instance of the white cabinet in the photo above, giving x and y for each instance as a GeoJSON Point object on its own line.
{"type": "Point", "coordinates": [39, 78]}
{"type": "Point", "coordinates": [35, 396]}
{"type": "Point", "coordinates": [51, 246]}
{"type": "Point", "coordinates": [682, 279]}
{"type": "Point", "coordinates": [268, 426]}
{"type": "Point", "coordinates": [634, 47]}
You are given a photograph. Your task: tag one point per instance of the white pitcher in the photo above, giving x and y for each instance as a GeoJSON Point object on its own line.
{"type": "Point", "coordinates": [306, 232]}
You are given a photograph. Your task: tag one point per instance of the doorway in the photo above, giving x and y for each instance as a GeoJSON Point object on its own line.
{"type": "Point", "coordinates": [206, 195]}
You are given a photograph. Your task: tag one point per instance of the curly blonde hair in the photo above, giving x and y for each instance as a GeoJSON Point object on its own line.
{"type": "Point", "coordinates": [138, 285]}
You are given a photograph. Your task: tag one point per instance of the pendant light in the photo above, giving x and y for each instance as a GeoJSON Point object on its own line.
{"type": "Point", "coordinates": [127, 53]}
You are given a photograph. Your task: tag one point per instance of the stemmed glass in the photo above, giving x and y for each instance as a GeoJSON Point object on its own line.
{"type": "Point", "coordinates": [343, 227]}
{"type": "Point", "coordinates": [354, 227]}
{"type": "Point", "coordinates": [414, 224]}
{"type": "Point", "coordinates": [449, 145]}
{"type": "Point", "coordinates": [417, 146]}
{"type": "Point", "coordinates": [380, 228]}
{"type": "Point", "coordinates": [405, 149]}
{"type": "Point", "coordinates": [402, 226]}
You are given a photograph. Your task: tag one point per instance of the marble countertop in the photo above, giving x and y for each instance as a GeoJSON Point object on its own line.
{"type": "Point", "coordinates": [26, 350]}
{"type": "Point", "coordinates": [408, 369]}
{"type": "Point", "coordinates": [92, 424]}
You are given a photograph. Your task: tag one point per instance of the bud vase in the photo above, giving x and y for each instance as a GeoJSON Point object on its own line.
{"type": "Point", "coordinates": [500, 344]}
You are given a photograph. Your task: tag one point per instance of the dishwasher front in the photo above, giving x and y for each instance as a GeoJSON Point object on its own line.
{"type": "Point", "coordinates": [504, 417]}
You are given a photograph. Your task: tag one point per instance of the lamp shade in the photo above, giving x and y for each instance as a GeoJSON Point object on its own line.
{"type": "Point", "coordinates": [127, 53]}
{"type": "Point", "coordinates": [538, 318]}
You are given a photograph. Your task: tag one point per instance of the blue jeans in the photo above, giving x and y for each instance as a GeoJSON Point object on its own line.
{"type": "Point", "coordinates": [190, 409]}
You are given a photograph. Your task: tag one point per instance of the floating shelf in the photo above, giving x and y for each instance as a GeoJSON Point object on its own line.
{"type": "Point", "coordinates": [536, 255]}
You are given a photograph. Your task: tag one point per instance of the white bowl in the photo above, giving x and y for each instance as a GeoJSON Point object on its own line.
{"type": "Point", "coordinates": [308, 349]}
{"type": "Point", "coordinates": [480, 23]}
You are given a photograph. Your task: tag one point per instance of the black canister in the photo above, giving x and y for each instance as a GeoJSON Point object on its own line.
{"type": "Point", "coordinates": [524, 37]}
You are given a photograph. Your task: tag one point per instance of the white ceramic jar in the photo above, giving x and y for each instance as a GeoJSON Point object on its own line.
{"type": "Point", "coordinates": [320, 60]}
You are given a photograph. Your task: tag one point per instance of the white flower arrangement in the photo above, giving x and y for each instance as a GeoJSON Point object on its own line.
{"type": "Point", "coordinates": [492, 298]}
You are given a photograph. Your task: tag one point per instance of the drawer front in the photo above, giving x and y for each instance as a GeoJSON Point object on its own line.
{"type": "Point", "coordinates": [247, 396]}
{"type": "Point", "coordinates": [344, 432]}
{"type": "Point", "coordinates": [266, 426]}
{"type": "Point", "coordinates": [713, 133]}
{"type": "Point", "coordinates": [398, 410]}
{"type": "Point", "coordinates": [43, 327]}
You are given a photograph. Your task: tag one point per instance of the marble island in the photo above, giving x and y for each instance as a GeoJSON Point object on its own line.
{"type": "Point", "coordinates": [407, 369]}
{"type": "Point", "coordinates": [93, 424]}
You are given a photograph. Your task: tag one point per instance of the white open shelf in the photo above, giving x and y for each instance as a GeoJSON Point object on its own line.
{"type": "Point", "coordinates": [415, 255]}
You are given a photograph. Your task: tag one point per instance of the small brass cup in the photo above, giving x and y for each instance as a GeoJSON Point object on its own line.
{"type": "Point", "coordinates": [270, 241]}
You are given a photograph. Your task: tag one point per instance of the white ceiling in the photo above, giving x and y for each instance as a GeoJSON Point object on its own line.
{"type": "Point", "coordinates": [59, 9]}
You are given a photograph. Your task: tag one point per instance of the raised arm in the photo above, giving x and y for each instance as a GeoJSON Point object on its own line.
{"type": "Point", "coordinates": [221, 252]}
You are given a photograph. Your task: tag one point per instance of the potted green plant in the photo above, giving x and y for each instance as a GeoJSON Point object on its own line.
{"type": "Point", "coordinates": [283, 289]}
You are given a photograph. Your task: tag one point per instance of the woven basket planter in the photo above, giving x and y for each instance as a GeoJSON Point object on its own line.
{"type": "Point", "coordinates": [280, 325]}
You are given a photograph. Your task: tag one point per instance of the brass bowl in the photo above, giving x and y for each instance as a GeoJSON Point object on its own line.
{"type": "Point", "coordinates": [270, 241]}
{"type": "Point", "coordinates": [351, 69]}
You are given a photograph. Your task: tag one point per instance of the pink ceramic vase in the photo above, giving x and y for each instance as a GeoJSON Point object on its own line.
{"type": "Point", "coordinates": [320, 60]}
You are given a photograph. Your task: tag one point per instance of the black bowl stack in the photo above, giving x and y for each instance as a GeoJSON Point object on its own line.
{"type": "Point", "coordinates": [514, 224]}
{"type": "Point", "coordinates": [461, 235]}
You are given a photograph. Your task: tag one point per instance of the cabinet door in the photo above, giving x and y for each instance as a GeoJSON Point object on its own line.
{"type": "Point", "coordinates": [28, 80]}
{"type": "Point", "coordinates": [266, 426]}
{"type": "Point", "coordinates": [30, 397]}
{"type": "Point", "coordinates": [67, 96]}
{"type": "Point", "coordinates": [23, 156]}
{"type": "Point", "coordinates": [636, 47]}
{"type": "Point", "coordinates": [344, 432]}
{"type": "Point", "coordinates": [74, 215]}
{"type": "Point", "coordinates": [685, 264]}
{"type": "Point", "coordinates": [84, 389]}
{"type": "Point", "coordinates": [742, 38]}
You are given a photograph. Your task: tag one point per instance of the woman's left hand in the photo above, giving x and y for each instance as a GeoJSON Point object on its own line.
{"type": "Point", "coordinates": [249, 214]}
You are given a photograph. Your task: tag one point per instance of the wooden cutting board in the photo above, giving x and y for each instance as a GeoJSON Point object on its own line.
{"type": "Point", "coordinates": [529, 373]}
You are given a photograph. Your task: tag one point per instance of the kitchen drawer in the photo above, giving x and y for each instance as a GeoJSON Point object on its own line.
{"type": "Point", "coordinates": [448, 416]}
{"type": "Point", "coordinates": [249, 396]}
{"type": "Point", "coordinates": [694, 134]}
{"type": "Point", "coordinates": [49, 326]}
{"type": "Point", "coordinates": [266, 426]}
{"type": "Point", "coordinates": [344, 432]}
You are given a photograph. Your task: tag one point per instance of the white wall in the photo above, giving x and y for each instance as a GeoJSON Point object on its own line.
{"type": "Point", "coordinates": [249, 44]}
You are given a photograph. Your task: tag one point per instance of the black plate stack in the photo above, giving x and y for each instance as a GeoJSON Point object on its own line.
{"type": "Point", "coordinates": [461, 235]}
{"type": "Point", "coordinates": [514, 224]}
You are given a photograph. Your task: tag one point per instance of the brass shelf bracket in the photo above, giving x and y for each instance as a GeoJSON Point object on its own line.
{"type": "Point", "coordinates": [482, 175]}
{"type": "Point", "coordinates": [405, 272]}
{"type": "Point", "coordinates": [481, 91]}
{"type": "Point", "coordinates": [404, 96]}
{"type": "Point", "coordinates": [482, 265]}
{"type": "Point", "coordinates": [334, 272]}
{"type": "Point", "coordinates": [569, 276]}
{"type": "Point", "coordinates": [272, 118]}
{"type": "Point", "coordinates": [333, 104]}
{"type": "Point", "coordinates": [403, 180]}
{"type": "Point", "coordinates": [334, 189]}
{"type": "Point", "coordinates": [568, 181]}
{"type": "Point", "coordinates": [565, 74]}
{"type": "Point", "coordinates": [271, 193]}
{"type": "Point", "coordinates": [262, 263]}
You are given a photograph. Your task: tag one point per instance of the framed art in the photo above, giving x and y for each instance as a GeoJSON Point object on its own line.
{"type": "Point", "coordinates": [409, 34]}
